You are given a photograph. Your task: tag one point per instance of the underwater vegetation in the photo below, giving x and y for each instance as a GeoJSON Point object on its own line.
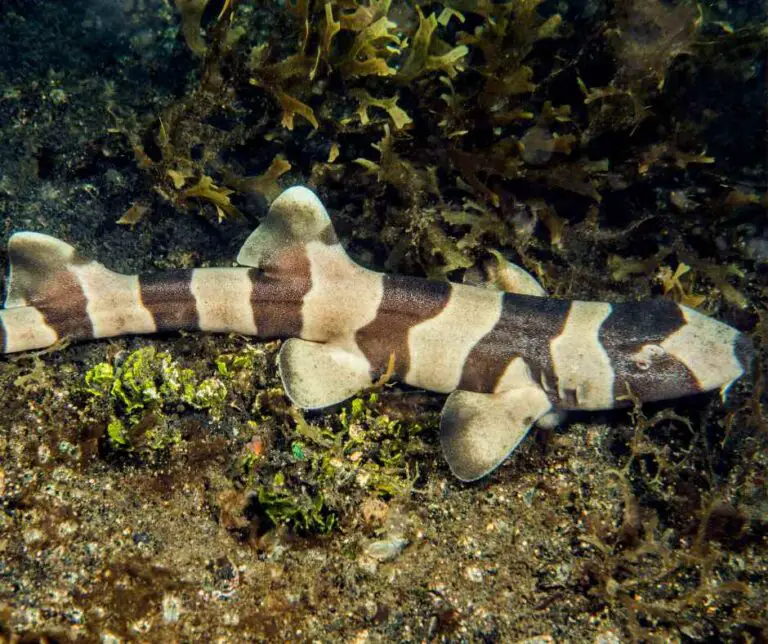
{"type": "Point", "coordinates": [479, 121]}
{"type": "Point", "coordinates": [142, 386]}
{"type": "Point", "coordinates": [613, 149]}
{"type": "Point", "coordinates": [141, 395]}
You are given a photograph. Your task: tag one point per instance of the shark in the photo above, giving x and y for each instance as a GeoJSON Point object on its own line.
{"type": "Point", "coordinates": [508, 357]}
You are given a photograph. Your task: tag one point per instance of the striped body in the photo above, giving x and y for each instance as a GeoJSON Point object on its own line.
{"type": "Point", "coordinates": [508, 358]}
{"type": "Point", "coordinates": [585, 355]}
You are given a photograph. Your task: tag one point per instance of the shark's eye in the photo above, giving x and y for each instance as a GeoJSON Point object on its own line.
{"type": "Point", "coordinates": [646, 355]}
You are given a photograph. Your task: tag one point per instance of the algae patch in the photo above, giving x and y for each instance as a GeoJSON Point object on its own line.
{"type": "Point", "coordinates": [326, 467]}
{"type": "Point", "coordinates": [142, 389]}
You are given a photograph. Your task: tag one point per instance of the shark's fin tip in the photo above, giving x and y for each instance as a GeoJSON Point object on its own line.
{"type": "Point", "coordinates": [32, 259]}
{"type": "Point", "coordinates": [497, 272]}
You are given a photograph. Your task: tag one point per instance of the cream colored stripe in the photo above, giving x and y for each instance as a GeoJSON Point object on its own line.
{"type": "Point", "coordinates": [223, 298]}
{"type": "Point", "coordinates": [344, 297]}
{"type": "Point", "coordinates": [579, 359]}
{"type": "Point", "coordinates": [113, 301]}
{"type": "Point", "coordinates": [706, 347]}
{"type": "Point", "coordinates": [439, 346]}
{"type": "Point", "coordinates": [25, 329]}
{"type": "Point", "coordinates": [517, 375]}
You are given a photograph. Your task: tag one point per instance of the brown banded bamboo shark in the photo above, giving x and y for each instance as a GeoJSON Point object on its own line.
{"type": "Point", "coordinates": [506, 359]}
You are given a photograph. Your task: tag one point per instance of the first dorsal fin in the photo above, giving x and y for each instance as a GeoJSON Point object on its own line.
{"type": "Point", "coordinates": [498, 272]}
{"type": "Point", "coordinates": [296, 218]}
{"type": "Point", "coordinates": [33, 260]}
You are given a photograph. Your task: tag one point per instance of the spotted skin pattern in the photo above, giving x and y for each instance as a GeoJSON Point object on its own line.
{"type": "Point", "coordinates": [507, 359]}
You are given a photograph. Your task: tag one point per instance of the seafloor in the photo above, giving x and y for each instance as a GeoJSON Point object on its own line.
{"type": "Point", "coordinates": [616, 149]}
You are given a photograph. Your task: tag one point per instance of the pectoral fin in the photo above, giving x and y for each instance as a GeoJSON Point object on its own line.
{"type": "Point", "coordinates": [478, 431]}
{"type": "Point", "coordinates": [320, 375]}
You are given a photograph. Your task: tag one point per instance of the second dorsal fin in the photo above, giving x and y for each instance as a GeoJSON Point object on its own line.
{"type": "Point", "coordinates": [296, 218]}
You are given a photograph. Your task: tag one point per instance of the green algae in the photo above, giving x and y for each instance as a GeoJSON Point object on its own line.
{"type": "Point", "coordinates": [300, 510]}
{"type": "Point", "coordinates": [379, 451]}
{"type": "Point", "coordinates": [146, 394]}
{"type": "Point", "coordinates": [142, 389]}
{"type": "Point", "coordinates": [306, 486]}
{"type": "Point", "coordinates": [117, 433]}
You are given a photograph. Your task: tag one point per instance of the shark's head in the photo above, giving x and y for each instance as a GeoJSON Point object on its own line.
{"type": "Point", "coordinates": [675, 351]}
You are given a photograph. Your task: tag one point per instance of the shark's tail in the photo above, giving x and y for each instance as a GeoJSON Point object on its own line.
{"type": "Point", "coordinates": [53, 293]}
{"type": "Point", "coordinates": [40, 297]}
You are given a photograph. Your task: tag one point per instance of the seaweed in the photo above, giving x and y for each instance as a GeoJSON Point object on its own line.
{"type": "Point", "coordinates": [140, 391]}
{"type": "Point", "coordinates": [303, 513]}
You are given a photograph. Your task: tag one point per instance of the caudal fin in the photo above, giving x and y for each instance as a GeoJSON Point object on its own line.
{"type": "Point", "coordinates": [41, 295]}
{"type": "Point", "coordinates": [53, 293]}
